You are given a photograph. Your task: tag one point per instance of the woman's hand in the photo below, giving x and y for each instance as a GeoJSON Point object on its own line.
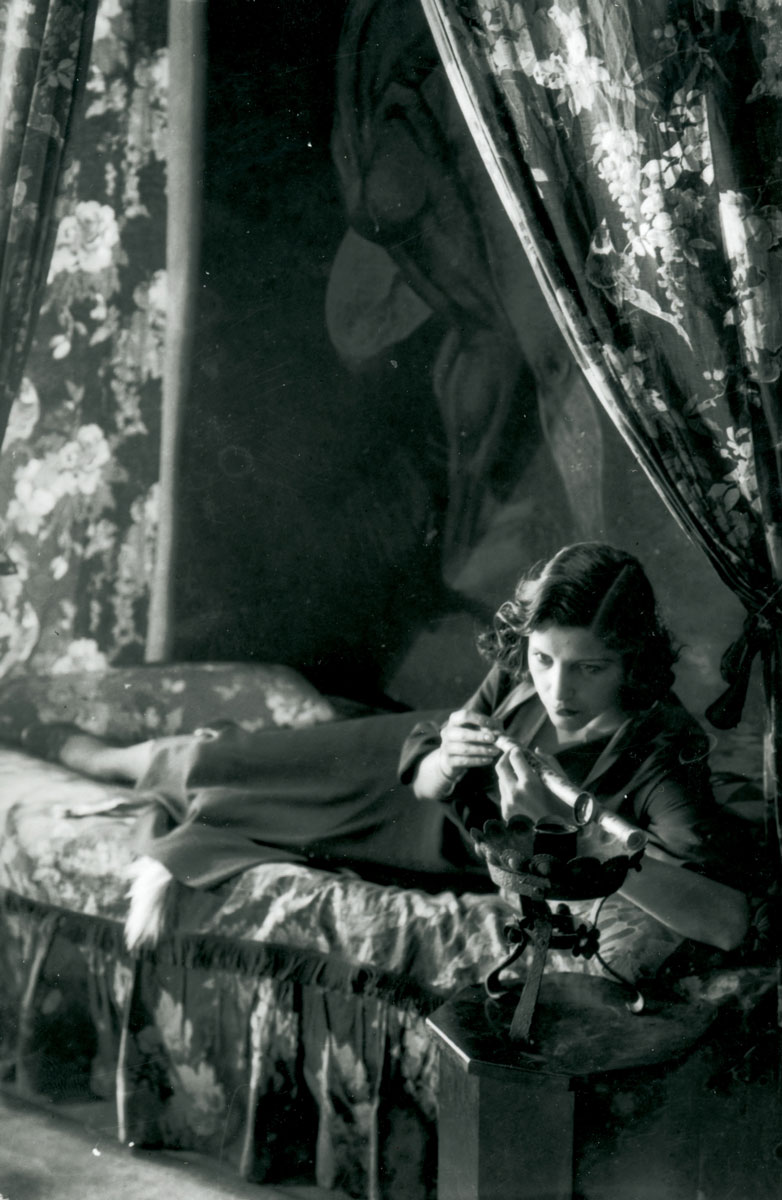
{"type": "Point", "coordinates": [468, 739]}
{"type": "Point", "coordinates": [521, 790]}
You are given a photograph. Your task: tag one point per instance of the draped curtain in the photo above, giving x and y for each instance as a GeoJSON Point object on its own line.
{"type": "Point", "coordinates": [636, 149]}
{"type": "Point", "coordinates": [44, 50]}
{"type": "Point", "coordinates": [79, 468]}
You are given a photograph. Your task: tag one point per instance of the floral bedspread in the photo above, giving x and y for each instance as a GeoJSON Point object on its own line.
{"type": "Point", "coordinates": [54, 853]}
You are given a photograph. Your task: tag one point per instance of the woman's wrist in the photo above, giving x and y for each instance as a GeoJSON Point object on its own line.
{"type": "Point", "coordinates": [450, 780]}
{"type": "Point", "coordinates": [432, 781]}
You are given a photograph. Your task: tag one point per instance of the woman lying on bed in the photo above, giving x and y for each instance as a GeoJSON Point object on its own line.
{"type": "Point", "coordinates": [582, 671]}
{"type": "Point", "coordinates": [582, 675]}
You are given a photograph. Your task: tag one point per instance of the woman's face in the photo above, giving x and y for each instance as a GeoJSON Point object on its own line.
{"type": "Point", "coordinates": [578, 679]}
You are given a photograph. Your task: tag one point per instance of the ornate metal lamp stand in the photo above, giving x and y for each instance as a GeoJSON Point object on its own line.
{"type": "Point", "coordinates": [538, 863]}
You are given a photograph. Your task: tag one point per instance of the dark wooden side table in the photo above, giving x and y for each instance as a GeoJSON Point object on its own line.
{"type": "Point", "coordinates": [506, 1110]}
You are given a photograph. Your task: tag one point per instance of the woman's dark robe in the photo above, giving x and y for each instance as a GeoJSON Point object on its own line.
{"type": "Point", "coordinates": [327, 795]}
{"type": "Point", "coordinates": [330, 795]}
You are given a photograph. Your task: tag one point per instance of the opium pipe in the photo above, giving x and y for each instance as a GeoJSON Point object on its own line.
{"type": "Point", "coordinates": [585, 807]}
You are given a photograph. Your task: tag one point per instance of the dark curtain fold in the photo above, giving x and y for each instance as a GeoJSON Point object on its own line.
{"type": "Point", "coordinates": [44, 50]}
{"type": "Point", "coordinates": [636, 149]}
{"type": "Point", "coordinates": [428, 240]}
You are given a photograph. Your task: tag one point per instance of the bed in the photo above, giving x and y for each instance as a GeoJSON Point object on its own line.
{"type": "Point", "coordinates": [281, 1027]}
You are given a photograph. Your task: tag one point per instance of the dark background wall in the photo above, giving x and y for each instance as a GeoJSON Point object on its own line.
{"type": "Point", "coordinates": [314, 495]}
{"type": "Point", "coordinates": [310, 490]}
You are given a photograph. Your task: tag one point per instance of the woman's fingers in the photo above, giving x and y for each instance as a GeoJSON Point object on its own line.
{"type": "Point", "coordinates": [468, 736]}
{"type": "Point", "coordinates": [514, 773]}
{"type": "Point", "coordinates": [465, 755]}
{"type": "Point", "coordinates": [514, 765]}
{"type": "Point", "coordinates": [469, 719]}
{"type": "Point", "coordinates": [474, 727]}
{"type": "Point", "coordinates": [468, 740]}
{"type": "Point", "coordinates": [511, 790]}
{"type": "Point", "coordinates": [520, 788]}
{"type": "Point", "coordinates": [505, 772]}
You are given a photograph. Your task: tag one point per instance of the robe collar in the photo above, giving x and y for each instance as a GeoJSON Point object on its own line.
{"type": "Point", "coordinates": [666, 721]}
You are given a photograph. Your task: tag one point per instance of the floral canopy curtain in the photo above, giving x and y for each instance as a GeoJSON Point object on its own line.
{"type": "Point", "coordinates": [44, 51]}
{"type": "Point", "coordinates": [636, 148]}
{"type": "Point", "coordinates": [80, 460]}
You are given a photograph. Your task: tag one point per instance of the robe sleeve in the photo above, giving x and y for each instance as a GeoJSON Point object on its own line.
{"type": "Point", "coordinates": [674, 814]}
{"type": "Point", "coordinates": [425, 736]}
{"type": "Point", "coordinates": [686, 826]}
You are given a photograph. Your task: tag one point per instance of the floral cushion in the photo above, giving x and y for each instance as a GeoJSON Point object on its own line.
{"type": "Point", "coordinates": [128, 703]}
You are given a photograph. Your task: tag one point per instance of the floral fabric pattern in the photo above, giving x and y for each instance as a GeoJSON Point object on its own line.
{"type": "Point", "coordinates": [637, 151]}
{"type": "Point", "coordinates": [79, 463]}
{"type": "Point", "coordinates": [288, 998]}
{"type": "Point", "coordinates": [302, 991]}
{"type": "Point", "coordinates": [128, 704]}
{"type": "Point", "coordinates": [621, 124]}
{"type": "Point", "coordinates": [46, 44]}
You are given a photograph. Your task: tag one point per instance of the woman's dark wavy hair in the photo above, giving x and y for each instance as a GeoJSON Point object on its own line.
{"type": "Point", "coordinates": [590, 585]}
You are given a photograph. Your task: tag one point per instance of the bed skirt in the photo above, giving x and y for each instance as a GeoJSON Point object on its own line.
{"type": "Point", "coordinates": [285, 1064]}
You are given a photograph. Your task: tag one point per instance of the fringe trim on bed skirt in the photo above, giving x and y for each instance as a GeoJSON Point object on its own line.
{"type": "Point", "coordinates": [195, 951]}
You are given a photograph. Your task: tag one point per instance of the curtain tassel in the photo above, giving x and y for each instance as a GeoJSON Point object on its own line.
{"type": "Point", "coordinates": [736, 668]}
